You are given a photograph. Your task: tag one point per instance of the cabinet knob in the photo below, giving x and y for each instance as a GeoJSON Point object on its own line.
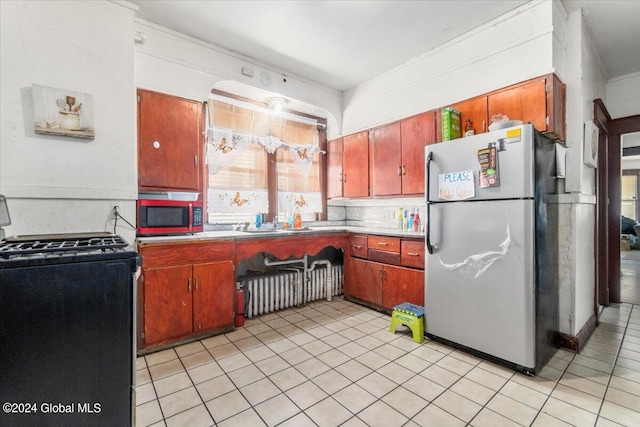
{"type": "Point", "coordinates": [156, 144]}
{"type": "Point", "coordinates": [357, 246]}
{"type": "Point", "coordinates": [383, 244]}
{"type": "Point", "coordinates": [189, 285]}
{"type": "Point", "coordinates": [413, 254]}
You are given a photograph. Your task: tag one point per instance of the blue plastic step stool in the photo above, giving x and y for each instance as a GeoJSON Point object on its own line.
{"type": "Point", "coordinates": [410, 315]}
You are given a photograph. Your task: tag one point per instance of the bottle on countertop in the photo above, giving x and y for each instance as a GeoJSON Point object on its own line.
{"type": "Point", "coordinates": [399, 219]}
{"type": "Point", "coordinates": [297, 220]}
{"type": "Point", "coordinates": [405, 220]}
{"type": "Point", "coordinates": [258, 220]}
{"type": "Point", "coordinates": [468, 128]}
{"type": "Point", "coordinates": [411, 217]}
{"type": "Point", "coordinates": [290, 220]}
{"type": "Point", "coordinates": [416, 220]}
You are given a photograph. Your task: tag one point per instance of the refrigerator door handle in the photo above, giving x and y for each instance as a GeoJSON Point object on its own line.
{"type": "Point", "coordinates": [430, 247]}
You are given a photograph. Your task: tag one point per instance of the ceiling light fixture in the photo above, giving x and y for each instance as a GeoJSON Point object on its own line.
{"type": "Point", "coordinates": [276, 103]}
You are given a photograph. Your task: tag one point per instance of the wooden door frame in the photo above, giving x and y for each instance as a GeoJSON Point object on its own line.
{"type": "Point", "coordinates": [608, 199]}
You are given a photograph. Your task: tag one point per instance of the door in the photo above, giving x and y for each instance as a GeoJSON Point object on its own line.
{"type": "Point", "coordinates": [213, 295]}
{"type": "Point", "coordinates": [630, 196]}
{"type": "Point", "coordinates": [364, 281]}
{"type": "Point", "coordinates": [416, 132]}
{"type": "Point", "coordinates": [355, 174]}
{"type": "Point", "coordinates": [334, 168]}
{"type": "Point", "coordinates": [515, 163]}
{"type": "Point", "coordinates": [167, 303]}
{"type": "Point", "coordinates": [402, 285]}
{"type": "Point", "coordinates": [527, 102]}
{"type": "Point", "coordinates": [386, 160]}
{"type": "Point", "coordinates": [479, 282]}
{"type": "Point", "coordinates": [169, 141]}
{"type": "Point", "coordinates": [476, 110]}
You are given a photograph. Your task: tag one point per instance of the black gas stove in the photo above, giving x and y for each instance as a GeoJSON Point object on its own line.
{"type": "Point", "coordinates": [56, 248]}
{"type": "Point", "coordinates": [67, 329]}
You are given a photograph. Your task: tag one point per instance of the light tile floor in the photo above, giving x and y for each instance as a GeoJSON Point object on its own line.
{"type": "Point", "coordinates": [330, 364]}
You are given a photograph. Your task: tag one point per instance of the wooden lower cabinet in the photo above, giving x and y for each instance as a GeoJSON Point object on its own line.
{"type": "Point", "coordinates": [383, 285]}
{"type": "Point", "coordinates": [186, 299]}
{"type": "Point", "coordinates": [186, 290]}
{"type": "Point", "coordinates": [213, 292]}
{"type": "Point", "coordinates": [363, 280]}
{"type": "Point", "coordinates": [400, 285]}
{"type": "Point", "coordinates": [168, 303]}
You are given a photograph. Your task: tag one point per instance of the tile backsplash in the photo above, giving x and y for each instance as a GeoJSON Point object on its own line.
{"type": "Point", "coordinates": [375, 213]}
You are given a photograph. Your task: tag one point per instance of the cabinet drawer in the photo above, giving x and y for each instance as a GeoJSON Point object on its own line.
{"type": "Point", "coordinates": [358, 246]}
{"type": "Point", "coordinates": [384, 256]}
{"type": "Point", "coordinates": [384, 243]}
{"type": "Point", "coordinates": [412, 253]}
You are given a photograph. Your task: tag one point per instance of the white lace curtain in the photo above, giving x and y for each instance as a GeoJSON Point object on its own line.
{"type": "Point", "coordinates": [237, 124]}
{"type": "Point", "coordinates": [225, 145]}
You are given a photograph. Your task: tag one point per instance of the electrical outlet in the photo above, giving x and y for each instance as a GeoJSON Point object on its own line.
{"type": "Point", "coordinates": [114, 209]}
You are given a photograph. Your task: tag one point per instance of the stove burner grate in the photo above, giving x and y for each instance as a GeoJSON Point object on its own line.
{"type": "Point", "coordinates": [58, 244]}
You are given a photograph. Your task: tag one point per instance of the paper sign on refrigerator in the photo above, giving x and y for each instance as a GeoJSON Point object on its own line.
{"type": "Point", "coordinates": [456, 185]}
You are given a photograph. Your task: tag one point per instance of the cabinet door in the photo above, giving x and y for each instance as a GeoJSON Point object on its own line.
{"type": "Point", "coordinates": [416, 132]}
{"type": "Point", "coordinates": [386, 160]}
{"type": "Point", "coordinates": [334, 168]}
{"type": "Point", "coordinates": [213, 295]}
{"type": "Point", "coordinates": [476, 110]}
{"type": "Point", "coordinates": [526, 102]}
{"type": "Point", "coordinates": [402, 285]}
{"type": "Point", "coordinates": [355, 163]}
{"type": "Point", "coordinates": [167, 303]}
{"type": "Point", "coordinates": [169, 140]}
{"type": "Point", "coordinates": [363, 280]}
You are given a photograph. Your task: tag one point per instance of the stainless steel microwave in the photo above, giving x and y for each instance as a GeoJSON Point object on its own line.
{"type": "Point", "coordinates": [163, 217]}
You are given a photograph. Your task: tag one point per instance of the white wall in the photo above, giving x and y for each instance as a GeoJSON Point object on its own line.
{"type": "Point", "coordinates": [173, 63]}
{"type": "Point", "coordinates": [623, 96]}
{"type": "Point", "coordinates": [60, 184]}
{"type": "Point", "coordinates": [514, 47]}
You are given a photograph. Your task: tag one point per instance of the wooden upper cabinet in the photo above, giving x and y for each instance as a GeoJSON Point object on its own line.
{"type": "Point", "coordinates": [334, 168]}
{"type": "Point", "coordinates": [474, 109]}
{"type": "Point", "coordinates": [355, 164]}
{"type": "Point", "coordinates": [539, 101]}
{"type": "Point", "coordinates": [527, 102]}
{"type": "Point", "coordinates": [416, 132]}
{"type": "Point", "coordinates": [386, 160]}
{"type": "Point", "coordinates": [170, 142]}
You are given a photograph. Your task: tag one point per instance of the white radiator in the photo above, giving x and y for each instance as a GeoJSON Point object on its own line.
{"type": "Point", "coordinates": [287, 287]}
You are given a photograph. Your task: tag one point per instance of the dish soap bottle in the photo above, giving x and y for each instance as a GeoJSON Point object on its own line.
{"type": "Point", "coordinates": [258, 220]}
{"type": "Point", "coordinates": [297, 220]}
{"type": "Point", "coordinates": [468, 128]}
{"type": "Point", "coordinates": [416, 220]}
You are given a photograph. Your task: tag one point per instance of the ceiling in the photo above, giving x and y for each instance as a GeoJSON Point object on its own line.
{"type": "Point", "coordinates": [340, 44]}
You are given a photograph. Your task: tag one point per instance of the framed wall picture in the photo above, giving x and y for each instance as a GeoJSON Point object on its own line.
{"type": "Point", "coordinates": [591, 135]}
{"type": "Point", "coordinates": [62, 112]}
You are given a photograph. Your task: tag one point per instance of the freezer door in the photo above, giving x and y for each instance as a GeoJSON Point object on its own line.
{"type": "Point", "coordinates": [515, 163]}
{"type": "Point", "coordinates": [479, 284]}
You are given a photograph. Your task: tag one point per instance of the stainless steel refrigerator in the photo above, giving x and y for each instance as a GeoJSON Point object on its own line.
{"type": "Point", "coordinates": [491, 273]}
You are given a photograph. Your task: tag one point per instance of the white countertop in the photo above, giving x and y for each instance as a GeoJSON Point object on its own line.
{"type": "Point", "coordinates": [233, 235]}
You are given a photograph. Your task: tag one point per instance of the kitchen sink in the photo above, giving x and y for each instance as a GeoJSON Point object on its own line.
{"type": "Point", "coordinates": [278, 230]}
